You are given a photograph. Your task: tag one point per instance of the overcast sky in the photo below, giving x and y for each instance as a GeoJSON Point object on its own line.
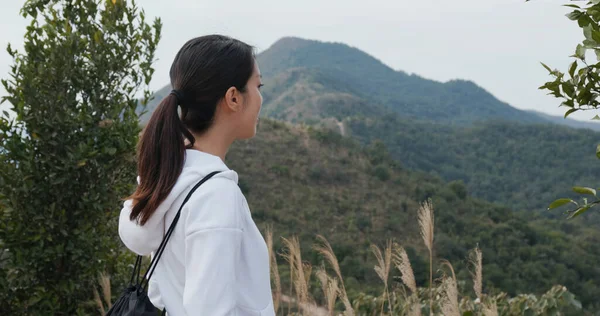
{"type": "Point", "coordinates": [498, 44]}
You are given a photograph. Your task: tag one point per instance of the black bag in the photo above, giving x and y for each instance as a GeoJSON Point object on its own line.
{"type": "Point", "coordinates": [134, 301]}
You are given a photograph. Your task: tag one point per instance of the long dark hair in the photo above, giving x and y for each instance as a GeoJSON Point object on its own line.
{"type": "Point", "coordinates": [202, 72]}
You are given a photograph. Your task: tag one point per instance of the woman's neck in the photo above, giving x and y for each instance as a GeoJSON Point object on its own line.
{"type": "Point", "coordinates": [212, 142]}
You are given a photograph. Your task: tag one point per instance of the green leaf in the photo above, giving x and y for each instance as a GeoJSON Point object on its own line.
{"type": "Point", "coordinates": [598, 151]}
{"type": "Point", "coordinates": [580, 51]}
{"type": "Point", "coordinates": [579, 211]}
{"type": "Point", "coordinates": [554, 87]}
{"type": "Point", "coordinates": [573, 68]}
{"type": "Point", "coordinates": [587, 32]}
{"type": "Point", "coordinates": [596, 118]}
{"type": "Point", "coordinates": [569, 104]}
{"type": "Point", "coordinates": [559, 203]}
{"type": "Point", "coordinates": [596, 36]}
{"type": "Point", "coordinates": [568, 88]}
{"type": "Point", "coordinates": [584, 190]}
{"type": "Point", "coordinates": [98, 37]}
{"type": "Point", "coordinates": [593, 12]}
{"type": "Point", "coordinates": [572, 6]}
{"type": "Point", "coordinates": [547, 68]}
{"type": "Point", "coordinates": [584, 21]}
{"type": "Point", "coordinates": [575, 15]}
{"type": "Point", "coordinates": [33, 300]}
{"type": "Point", "coordinates": [570, 111]}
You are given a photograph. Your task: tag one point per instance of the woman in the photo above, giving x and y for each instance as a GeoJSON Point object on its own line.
{"type": "Point", "coordinates": [216, 262]}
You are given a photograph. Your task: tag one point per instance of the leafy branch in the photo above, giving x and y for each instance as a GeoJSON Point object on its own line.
{"type": "Point", "coordinates": [579, 87]}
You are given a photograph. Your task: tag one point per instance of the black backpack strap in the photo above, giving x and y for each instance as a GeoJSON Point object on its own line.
{"type": "Point", "coordinates": [136, 271]}
{"type": "Point", "coordinates": [161, 248]}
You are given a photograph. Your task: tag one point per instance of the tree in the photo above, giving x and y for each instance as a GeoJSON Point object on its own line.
{"type": "Point", "coordinates": [580, 86]}
{"type": "Point", "coordinates": [68, 156]}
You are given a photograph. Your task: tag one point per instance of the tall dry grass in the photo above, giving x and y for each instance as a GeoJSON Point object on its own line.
{"type": "Point", "coordinates": [324, 248]}
{"type": "Point", "coordinates": [104, 281]}
{"type": "Point", "coordinates": [299, 271]}
{"type": "Point", "coordinates": [330, 288]}
{"type": "Point", "coordinates": [476, 258]}
{"type": "Point", "coordinates": [392, 255]}
{"type": "Point", "coordinates": [449, 301]}
{"type": "Point", "coordinates": [426, 223]}
{"type": "Point", "coordinates": [383, 270]}
{"type": "Point", "coordinates": [488, 307]}
{"type": "Point", "coordinates": [274, 270]}
{"type": "Point", "coordinates": [402, 263]}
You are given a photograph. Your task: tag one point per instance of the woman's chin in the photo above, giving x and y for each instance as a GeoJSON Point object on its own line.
{"type": "Point", "coordinates": [249, 134]}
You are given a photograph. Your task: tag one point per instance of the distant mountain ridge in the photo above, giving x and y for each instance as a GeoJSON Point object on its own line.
{"type": "Point", "coordinates": [460, 131]}
{"type": "Point", "coordinates": [456, 101]}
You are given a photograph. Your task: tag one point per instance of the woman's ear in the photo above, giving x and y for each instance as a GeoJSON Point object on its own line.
{"type": "Point", "coordinates": [233, 99]}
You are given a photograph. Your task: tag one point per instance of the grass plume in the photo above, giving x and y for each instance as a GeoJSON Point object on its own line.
{"type": "Point", "coordinates": [297, 269]}
{"type": "Point", "coordinates": [104, 280]}
{"type": "Point", "coordinates": [426, 223]}
{"type": "Point", "coordinates": [402, 263]}
{"type": "Point", "coordinates": [383, 269]}
{"type": "Point", "coordinates": [449, 301]}
{"type": "Point", "coordinates": [488, 308]}
{"type": "Point", "coordinates": [476, 259]}
{"type": "Point", "coordinates": [324, 248]}
{"type": "Point", "coordinates": [330, 289]}
{"type": "Point", "coordinates": [98, 302]}
{"type": "Point", "coordinates": [274, 270]}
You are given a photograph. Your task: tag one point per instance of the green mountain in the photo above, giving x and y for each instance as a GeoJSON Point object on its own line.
{"type": "Point", "coordinates": [523, 166]}
{"type": "Point", "coordinates": [457, 101]}
{"type": "Point", "coordinates": [509, 158]}
{"type": "Point", "coordinates": [304, 181]}
{"type": "Point", "coordinates": [312, 95]}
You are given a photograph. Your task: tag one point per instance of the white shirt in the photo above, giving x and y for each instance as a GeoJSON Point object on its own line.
{"type": "Point", "coordinates": [216, 261]}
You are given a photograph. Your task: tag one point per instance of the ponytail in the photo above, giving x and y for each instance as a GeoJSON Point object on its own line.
{"type": "Point", "coordinates": [161, 154]}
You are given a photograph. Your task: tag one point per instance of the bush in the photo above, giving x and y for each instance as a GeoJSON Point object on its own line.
{"type": "Point", "coordinates": [459, 188]}
{"type": "Point", "coordinates": [68, 156]}
{"type": "Point", "coordinates": [382, 173]}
